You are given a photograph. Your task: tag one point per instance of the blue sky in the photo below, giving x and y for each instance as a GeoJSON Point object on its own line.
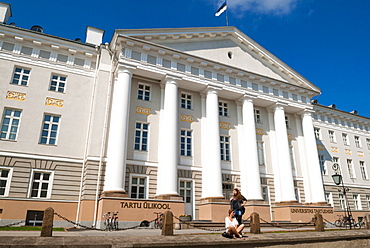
{"type": "Point", "coordinates": [327, 42]}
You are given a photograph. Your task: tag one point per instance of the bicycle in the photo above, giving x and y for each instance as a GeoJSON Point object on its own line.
{"type": "Point", "coordinates": [114, 220]}
{"type": "Point", "coordinates": [347, 222]}
{"type": "Point", "coordinates": [158, 223]}
{"type": "Point", "coordinates": [111, 222]}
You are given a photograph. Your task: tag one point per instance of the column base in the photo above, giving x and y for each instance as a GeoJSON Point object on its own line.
{"type": "Point", "coordinates": [117, 194]}
{"type": "Point", "coordinates": [173, 197]}
{"type": "Point", "coordinates": [258, 206]}
{"type": "Point", "coordinates": [214, 209]}
{"type": "Point", "coordinates": [297, 212]}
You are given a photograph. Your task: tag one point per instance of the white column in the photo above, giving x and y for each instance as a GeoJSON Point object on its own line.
{"type": "Point", "coordinates": [314, 173]}
{"type": "Point", "coordinates": [168, 159]}
{"type": "Point", "coordinates": [274, 154]}
{"type": "Point", "coordinates": [212, 166]}
{"type": "Point", "coordinates": [249, 168]}
{"type": "Point", "coordinates": [285, 168]}
{"type": "Point", "coordinates": [118, 129]}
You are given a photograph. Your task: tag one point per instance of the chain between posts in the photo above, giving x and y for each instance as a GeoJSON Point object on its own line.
{"type": "Point", "coordinates": [326, 221]}
{"type": "Point", "coordinates": [94, 228]}
{"type": "Point", "coordinates": [12, 224]}
{"type": "Point", "coordinates": [279, 226]}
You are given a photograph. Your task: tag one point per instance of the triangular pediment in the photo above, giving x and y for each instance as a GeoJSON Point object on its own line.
{"type": "Point", "coordinates": [224, 45]}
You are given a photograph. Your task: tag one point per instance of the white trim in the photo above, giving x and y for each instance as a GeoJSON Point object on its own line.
{"type": "Point", "coordinates": [7, 187]}
{"type": "Point", "coordinates": [146, 193]}
{"type": "Point", "coordinates": [31, 156]}
{"type": "Point", "coordinates": [50, 186]}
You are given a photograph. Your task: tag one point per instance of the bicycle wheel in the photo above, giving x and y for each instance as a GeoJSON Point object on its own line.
{"type": "Point", "coordinates": [338, 223]}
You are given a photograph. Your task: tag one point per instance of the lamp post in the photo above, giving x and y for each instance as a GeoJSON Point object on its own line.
{"type": "Point", "coordinates": [338, 180]}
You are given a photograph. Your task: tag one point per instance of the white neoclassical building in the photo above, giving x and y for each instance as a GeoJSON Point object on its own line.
{"type": "Point", "coordinates": [167, 119]}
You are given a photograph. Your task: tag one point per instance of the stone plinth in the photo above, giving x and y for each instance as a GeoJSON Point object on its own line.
{"type": "Point", "coordinates": [214, 209]}
{"type": "Point", "coordinates": [301, 213]}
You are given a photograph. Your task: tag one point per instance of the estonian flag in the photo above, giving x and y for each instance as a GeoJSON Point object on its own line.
{"type": "Point", "coordinates": [221, 9]}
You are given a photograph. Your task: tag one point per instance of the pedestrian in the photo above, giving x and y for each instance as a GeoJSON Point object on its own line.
{"type": "Point", "coordinates": [233, 229]}
{"type": "Point", "coordinates": [237, 203]}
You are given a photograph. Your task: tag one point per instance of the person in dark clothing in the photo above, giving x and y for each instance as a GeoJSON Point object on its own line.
{"type": "Point", "coordinates": [237, 204]}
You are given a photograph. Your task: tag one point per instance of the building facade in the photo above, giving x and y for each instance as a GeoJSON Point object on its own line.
{"type": "Point", "coordinates": [167, 119]}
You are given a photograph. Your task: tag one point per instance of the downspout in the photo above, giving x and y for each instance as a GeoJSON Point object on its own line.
{"type": "Point", "coordinates": [87, 141]}
{"type": "Point", "coordinates": [103, 140]}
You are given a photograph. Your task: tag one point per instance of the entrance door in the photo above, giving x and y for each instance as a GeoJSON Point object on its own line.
{"type": "Point", "coordinates": [186, 191]}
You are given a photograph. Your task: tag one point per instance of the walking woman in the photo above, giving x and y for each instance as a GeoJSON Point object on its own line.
{"type": "Point", "coordinates": [237, 204]}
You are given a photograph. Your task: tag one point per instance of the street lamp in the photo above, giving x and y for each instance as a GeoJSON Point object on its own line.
{"type": "Point", "coordinates": [338, 180]}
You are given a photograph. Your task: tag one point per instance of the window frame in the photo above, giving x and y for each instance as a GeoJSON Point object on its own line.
{"type": "Point", "coordinates": [58, 82]}
{"type": "Point", "coordinates": [342, 201]}
{"type": "Point", "coordinates": [261, 153]}
{"type": "Point", "coordinates": [50, 184]}
{"type": "Point", "coordinates": [186, 180]}
{"type": "Point", "coordinates": [317, 132]}
{"type": "Point", "coordinates": [323, 166]}
{"type": "Point", "coordinates": [146, 186]}
{"type": "Point", "coordinates": [332, 138]}
{"type": "Point", "coordinates": [22, 74]}
{"type": "Point", "coordinates": [287, 123]}
{"type": "Point", "coordinates": [351, 169]}
{"type": "Point", "coordinates": [367, 198]}
{"type": "Point", "coordinates": [357, 141]}
{"type": "Point", "coordinates": [329, 198]}
{"type": "Point", "coordinates": [187, 104]}
{"type": "Point", "coordinates": [224, 151]}
{"type": "Point", "coordinates": [141, 136]}
{"type": "Point", "coordinates": [223, 108]}
{"type": "Point", "coordinates": [49, 130]}
{"type": "Point", "coordinates": [185, 149]}
{"type": "Point", "coordinates": [11, 119]}
{"type": "Point", "coordinates": [144, 90]}
{"type": "Point", "coordinates": [257, 115]}
{"type": "Point", "coordinates": [368, 143]}
{"type": "Point", "coordinates": [363, 170]}
{"type": "Point", "coordinates": [8, 179]}
{"type": "Point", "coordinates": [345, 139]}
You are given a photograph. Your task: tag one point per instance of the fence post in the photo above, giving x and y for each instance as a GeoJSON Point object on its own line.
{"type": "Point", "coordinates": [319, 222]}
{"type": "Point", "coordinates": [167, 227]}
{"type": "Point", "coordinates": [255, 223]}
{"type": "Point", "coordinates": [47, 223]}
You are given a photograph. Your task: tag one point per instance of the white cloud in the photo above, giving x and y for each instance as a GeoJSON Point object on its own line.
{"type": "Point", "coordinates": [275, 7]}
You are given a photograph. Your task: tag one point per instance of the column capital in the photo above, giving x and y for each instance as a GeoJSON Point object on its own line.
{"type": "Point", "coordinates": [124, 68]}
{"type": "Point", "coordinates": [279, 106]}
{"type": "Point", "coordinates": [307, 112]}
{"type": "Point", "coordinates": [211, 89]}
{"type": "Point", "coordinates": [171, 79]}
{"type": "Point", "coordinates": [247, 97]}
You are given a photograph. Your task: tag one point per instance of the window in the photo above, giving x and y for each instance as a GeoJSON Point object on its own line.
{"type": "Point", "coordinates": [220, 77]}
{"type": "Point", "coordinates": [185, 191]}
{"type": "Point", "coordinates": [296, 193]}
{"type": "Point", "coordinates": [136, 55]}
{"type": "Point", "coordinates": [141, 136]}
{"type": "Point", "coordinates": [227, 190]}
{"type": "Point", "coordinates": [368, 143]}
{"type": "Point", "coordinates": [10, 124]}
{"type": "Point", "coordinates": [185, 143]}
{"type": "Point", "coordinates": [138, 187]}
{"type": "Point", "coordinates": [21, 76]}
{"type": "Point", "coordinates": [186, 101]}
{"type": "Point", "coordinates": [351, 171]}
{"type": "Point", "coordinates": [260, 152]}
{"type": "Point", "coordinates": [286, 121]}
{"type": "Point", "coordinates": [207, 74]}
{"type": "Point", "coordinates": [368, 201]}
{"type": "Point", "coordinates": [323, 168]}
{"type": "Point", "coordinates": [166, 63]}
{"type": "Point", "coordinates": [49, 130]}
{"type": "Point", "coordinates": [225, 148]}
{"type": "Point", "coordinates": [223, 108]}
{"type": "Point", "coordinates": [152, 60]}
{"type": "Point", "coordinates": [317, 133]}
{"type": "Point", "coordinates": [342, 202]}
{"type": "Point", "coordinates": [5, 175]}
{"type": "Point", "coordinates": [41, 184]}
{"type": "Point", "coordinates": [328, 198]}
{"type": "Point", "coordinates": [357, 142]}
{"type": "Point", "coordinates": [257, 116]}
{"type": "Point", "coordinates": [357, 201]}
{"type": "Point", "coordinates": [363, 170]}
{"type": "Point", "coordinates": [265, 193]}
{"type": "Point", "coordinates": [58, 83]}
{"type": "Point", "coordinates": [332, 136]}
{"type": "Point", "coordinates": [194, 71]}
{"type": "Point", "coordinates": [143, 92]}
{"type": "Point", "coordinates": [181, 67]}
{"type": "Point", "coordinates": [345, 139]}
{"type": "Point", "coordinates": [291, 155]}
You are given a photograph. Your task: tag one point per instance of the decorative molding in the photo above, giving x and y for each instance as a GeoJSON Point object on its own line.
{"type": "Point", "coordinates": [18, 96]}
{"type": "Point", "coordinates": [225, 125]}
{"type": "Point", "coordinates": [348, 151]}
{"type": "Point", "coordinates": [54, 102]}
{"type": "Point", "coordinates": [320, 147]}
{"type": "Point", "coordinates": [360, 154]}
{"type": "Point", "coordinates": [334, 149]}
{"type": "Point", "coordinates": [290, 136]}
{"type": "Point", "coordinates": [142, 110]}
{"type": "Point", "coordinates": [187, 118]}
{"type": "Point", "coordinates": [259, 131]}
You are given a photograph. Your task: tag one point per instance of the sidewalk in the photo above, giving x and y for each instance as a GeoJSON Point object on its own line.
{"type": "Point", "coordinates": [185, 238]}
